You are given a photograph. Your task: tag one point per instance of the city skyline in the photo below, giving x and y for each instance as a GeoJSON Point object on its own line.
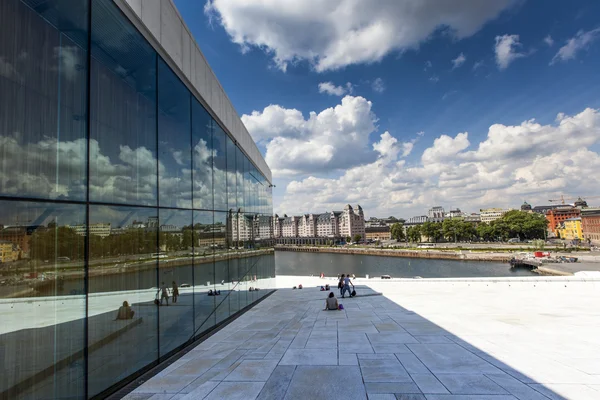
{"type": "Point", "coordinates": [477, 107]}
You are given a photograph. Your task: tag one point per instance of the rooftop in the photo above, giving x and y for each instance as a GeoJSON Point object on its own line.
{"type": "Point", "coordinates": [421, 339]}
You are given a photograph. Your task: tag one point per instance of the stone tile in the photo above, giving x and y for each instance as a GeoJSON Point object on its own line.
{"type": "Point", "coordinates": [310, 357]}
{"type": "Point", "coordinates": [137, 396]}
{"type": "Point", "coordinates": [391, 338]}
{"type": "Point", "coordinates": [377, 356]}
{"type": "Point", "coordinates": [355, 348]}
{"type": "Point", "coordinates": [383, 396]}
{"type": "Point", "coordinates": [252, 370]}
{"type": "Point", "coordinates": [230, 359]}
{"type": "Point", "coordinates": [195, 367]}
{"type": "Point", "coordinates": [278, 383]}
{"type": "Point", "coordinates": [469, 397]}
{"type": "Point", "coordinates": [412, 363]}
{"type": "Point", "coordinates": [389, 327]}
{"type": "Point", "coordinates": [470, 384]}
{"type": "Point", "coordinates": [201, 391]}
{"type": "Point", "coordinates": [432, 339]}
{"type": "Point", "coordinates": [347, 359]}
{"type": "Point", "coordinates": [566, 391]}
{"type": "Point", "coordinates": [390, 348]}
{"type": "Point", "coordinates": [515, 387]}
{"type": "Point", "coordinates": [379, 362]}
{"type": "Point", "coordinates": [450, 359]}
{"type": "Point", "coordinates": [332, 383]}
{"type": "Point", "coordinates": [402, 396]}
{"type": "Point", "coordinates": [385, 374]}
{"type": "Point", "coordinates": [391, 387]}
{"type": "Point", "coordinates": [166, 384]}
{"type": "Point", "coordinates": [237, 390]}
{"type": "Point", "coordinates": [428, 383]}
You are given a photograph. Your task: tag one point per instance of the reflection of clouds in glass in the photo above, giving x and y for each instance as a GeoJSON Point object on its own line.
{"type": "Point", "coordinates": [39, 213]}
{"type": "Point", "coordinates": [8, 70]}
{"type": "Point", "coordinates": [31, 168]}
{"type": "Point", "coordinates": [202, 175]}
{"type": "Point", "coordinates": [69, 58]}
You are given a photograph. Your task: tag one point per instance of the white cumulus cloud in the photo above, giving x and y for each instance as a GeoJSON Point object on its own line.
{"type": "Point", "coordinates": [549, 41]}
{"type": "Point", "coordinates": [331, 34]}
{"type": "Point", "coordinates": [580, 42]}
{"type": "Point", "coordinates": [507, 50]}
{"type": "Point", "coordinates": [458, 61]}
{"type": "Point", "coordinates": [330, 88]}
{"type": "Point", "coordinates": [511, 162]}
{"type": "Point", "coordinates": [378, 85]}
{"type": "Point", "coordinates": [335, 138]}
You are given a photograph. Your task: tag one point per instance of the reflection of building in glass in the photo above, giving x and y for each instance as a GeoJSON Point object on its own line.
{"type": "Point", "coordinates": [17, 235]}
{"type": "Point", "coordinates": [121, 157]}
{"type": "Point", "coordinates": [8, 252]}
{"type": "Point", "coordinates": [99, 229]}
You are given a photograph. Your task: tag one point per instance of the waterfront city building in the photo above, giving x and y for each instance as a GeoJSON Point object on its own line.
{"type": "Point", "coordinates": [488, 215]}
{"type": "Point", "coordinates": [378, 233]}
{"type": "Point", "coordinates": [557, 216]}
{"type": "Point", "coordinates": [125, 168]}
{"type": "Point", "coordinates": [570, 229]}
{"type": "Point", "coordinates": [436, 214]}
{"type": "Point", "coordinates": [590, 225]}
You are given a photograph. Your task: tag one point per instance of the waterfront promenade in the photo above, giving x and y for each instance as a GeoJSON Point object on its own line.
{"type": "Point", "coordinates": [483, 338]}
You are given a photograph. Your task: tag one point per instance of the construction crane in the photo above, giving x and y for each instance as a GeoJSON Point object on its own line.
{"type": "Point", "coordinates": [563, 198]}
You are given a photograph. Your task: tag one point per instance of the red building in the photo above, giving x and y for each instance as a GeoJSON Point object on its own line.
{"type": "Point", "coordinates": [557, 216]}
{"type": "Point", "coordinates": [590, 224]}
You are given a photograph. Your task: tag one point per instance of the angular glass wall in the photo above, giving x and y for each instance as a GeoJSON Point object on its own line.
{"type": "Point", "coordinates": [124, 205]}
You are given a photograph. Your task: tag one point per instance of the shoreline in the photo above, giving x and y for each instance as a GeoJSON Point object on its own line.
{"type": "Point", "coordinates": [553, 269]}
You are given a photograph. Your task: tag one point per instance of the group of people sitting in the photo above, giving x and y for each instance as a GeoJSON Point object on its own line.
{"type": "Point", "coordinates": [214, 293]}
{"type": "Point", "coordinates": [331, 303]}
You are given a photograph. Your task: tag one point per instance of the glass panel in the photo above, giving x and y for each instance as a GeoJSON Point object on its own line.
{"type": "Point", "coordinates": [123, 163]}
{"type": "Point", "coordinates": [219, 168]}
{"type": "Point", "coordinates": [174, 139]}
{"type": "Point", "coordinates": [239, 164]}
{"type": "Point", "coordinates": [43, 330]}
{"type": "Point", "coordinates": [43, 81]}
{"type": "Point", "coordinates": [123, 279]}
{"type": "Point", "coordinates": [234, 295]}
{"type": "Point", "coordinates": [231, 175]}
{"type": "Point", "coordinates": [204, 272]}
{"type": "Point", "coordinates": [202, 157]}
{"type": "Point", "coordinates": [175, 276]}
{"type": "Point", "coordinates": [222, 277]}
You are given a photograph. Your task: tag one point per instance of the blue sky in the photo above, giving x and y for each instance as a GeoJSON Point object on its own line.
{"type": "Point", "coordinates": [263, 57]}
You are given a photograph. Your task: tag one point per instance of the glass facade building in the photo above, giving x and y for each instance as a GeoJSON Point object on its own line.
{"type": "Point", "coordinates": [118, 182]}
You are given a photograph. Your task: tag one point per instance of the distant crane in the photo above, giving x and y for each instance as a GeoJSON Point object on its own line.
{"type": "Point", "coordinates": [577, 199]}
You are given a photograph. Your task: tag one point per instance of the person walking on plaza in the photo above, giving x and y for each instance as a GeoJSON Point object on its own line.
{"type": "Point", "coordinates": [341, 284]}
{"type": "Point", "coordinates": [347, 283]}
{"type": "Point", "coordinates": [175, 292]}
{"type": "Point", "coordinates": [164, 293]}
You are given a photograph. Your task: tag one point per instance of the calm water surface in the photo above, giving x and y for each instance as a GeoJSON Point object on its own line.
{"type": "Point", "coordinates": [298, 263]}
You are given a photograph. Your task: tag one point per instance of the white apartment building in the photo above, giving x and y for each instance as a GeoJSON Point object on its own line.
{"type": "Point", "coordinates": [455, 213]}
{"type": "Point", "coordinates": [352, 223]}
{"type": "Point", "coordinates": [419, 219]}
{"type": "Point", "coordinates": [263, 227]}
{"type": "Point", "coordinates": [241, 227]}
{"type": "Point", "coordinates": [436, 214]}
{"type": "Point", "coordinates": [100, 229]}
{"type": "Point", "coordinates": [289, 226]}
{"type": "Point", "coordinates": [491, 214]}
{"type": "Point", "coordinates": [328, 224]}
{"type": "Point", "coordinates": [307, 226]}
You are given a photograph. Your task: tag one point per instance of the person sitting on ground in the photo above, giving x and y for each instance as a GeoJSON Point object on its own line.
{"type": "Point", "coordinates": [331, 302]}
{"type": "Point", "coordinates": [210, 292]}
{"type": "Point", "coordinates": [322, 289]}
{"type": "Point", "coordinates": [125, 311]}
{"type": "Point", "coordinates": [327, 287]}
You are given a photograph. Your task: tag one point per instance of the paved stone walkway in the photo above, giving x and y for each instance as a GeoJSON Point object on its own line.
{"type": "Point", "coordinates": [495, 340]}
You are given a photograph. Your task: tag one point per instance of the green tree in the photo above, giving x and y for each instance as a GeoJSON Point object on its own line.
{"type": "Point", "coordinates": [348, 238]}
{"type": "Point", "coordinates": [414, 233]}
{"type": "Point", "coordinates": [397, 232]}
{"type": "Point", "coordinates": [485, 231]}
{"type": "Point", "coordinates": [357, 238]}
